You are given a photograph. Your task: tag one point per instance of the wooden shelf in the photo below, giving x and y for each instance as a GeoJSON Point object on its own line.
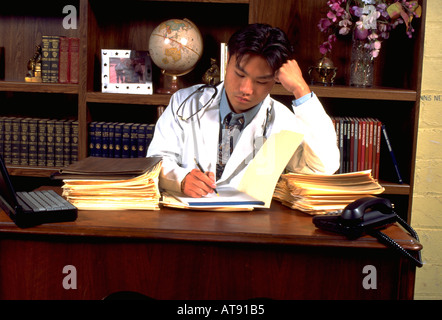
{"type": "Point", "coordinates": [17, 86]}
{"type": "Point", "coordinates": [120, 98]}
{"type": "Point", "coordinates": [339, 91]}
{"type": "Point", "coordinates": [396, 188]}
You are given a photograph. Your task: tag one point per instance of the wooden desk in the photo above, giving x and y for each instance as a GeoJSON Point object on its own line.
{"type": "Point", "coordinates": [178, 254]}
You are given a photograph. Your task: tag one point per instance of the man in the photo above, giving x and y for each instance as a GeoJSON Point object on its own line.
{"type": "Point", "coordinates": [222, 129]}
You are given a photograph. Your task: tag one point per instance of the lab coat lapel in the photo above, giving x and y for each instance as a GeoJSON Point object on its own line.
{"type": "Point", "coordinates": [208, 134]}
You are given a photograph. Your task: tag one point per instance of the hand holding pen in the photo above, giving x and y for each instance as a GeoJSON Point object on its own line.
{"type": "Point", "coordinates": [199, 183]}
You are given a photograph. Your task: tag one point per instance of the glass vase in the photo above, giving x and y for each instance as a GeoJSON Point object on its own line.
{"type": "Point", "coordinates": [362, 64]}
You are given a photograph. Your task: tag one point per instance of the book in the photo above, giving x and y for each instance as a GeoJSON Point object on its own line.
{"type": "Point", "coordinates": [45, 59]}
{"type": "Point", "coordinates": [320, 194]}
{"type": "Point", "coordinates": [24, 141]}
{"type": "Point", "coordinates": [74, 60]}
{"type": "Point", "coordinates": [7, 141]}
{"type": "Point", "coordinates": [97, 183]}
{"type": "Point", "coordinates": [64, 68]}
{"type": "Point", "coordinates": [50, 143]}
{"type": "Point", "coordinates": [59, 143]}
{"type": "Point", "coordinates": [15, 141]}
{"type": "Point", "coordinates": [54, 49]}
{"type": "Point", "coordinates": [42, 142]}
{"type": "Point", "coordinates": [33, 142]}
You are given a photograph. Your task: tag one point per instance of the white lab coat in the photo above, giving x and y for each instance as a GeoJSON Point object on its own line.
{"type": "Point", "coordinates": [179, 141]}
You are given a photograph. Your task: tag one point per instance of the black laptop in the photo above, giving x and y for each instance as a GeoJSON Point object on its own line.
{"type": "Point", "coordinates": [28, 209]}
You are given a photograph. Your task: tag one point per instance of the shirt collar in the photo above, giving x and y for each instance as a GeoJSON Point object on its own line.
{"type": "Point", "coordinates": [224, 110]}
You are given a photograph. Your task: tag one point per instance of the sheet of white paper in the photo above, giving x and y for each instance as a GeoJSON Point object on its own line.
{"type": "Point", "coordinates": [263, 172]}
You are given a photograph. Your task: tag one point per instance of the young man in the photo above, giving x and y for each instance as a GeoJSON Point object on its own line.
{"type": "Point", "coordinates": [221, 129]}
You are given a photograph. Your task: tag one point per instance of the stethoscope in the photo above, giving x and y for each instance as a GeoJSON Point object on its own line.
{"type": "Point", "coordinates": [200, 91]}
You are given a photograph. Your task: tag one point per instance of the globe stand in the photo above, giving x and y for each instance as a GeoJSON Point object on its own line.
{"type": "Point", "coordinates": [170, 84]}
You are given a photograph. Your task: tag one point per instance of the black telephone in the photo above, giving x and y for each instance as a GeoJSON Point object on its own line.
{"type": "Point", "coordinates": [367, 215]}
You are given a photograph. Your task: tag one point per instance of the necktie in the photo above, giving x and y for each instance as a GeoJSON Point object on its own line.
{"type": "Point", "coordinates": [229, 133]}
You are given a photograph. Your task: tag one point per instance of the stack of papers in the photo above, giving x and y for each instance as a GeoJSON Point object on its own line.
{"type": "Point", "coordinates": [114, 184]}
{"type": "Point", "coordinates": [320, 194]}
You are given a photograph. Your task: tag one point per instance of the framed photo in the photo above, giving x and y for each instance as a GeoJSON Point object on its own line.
{"type": "Point", "coordinates": [126, 71]}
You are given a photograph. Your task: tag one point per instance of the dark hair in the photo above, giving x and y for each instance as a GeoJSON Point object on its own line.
{"type": "Point", "coordinates": [261, 39]}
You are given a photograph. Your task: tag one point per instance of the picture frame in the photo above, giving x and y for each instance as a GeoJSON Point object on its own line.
{"type": "Point", "coordinates": [126, 71]}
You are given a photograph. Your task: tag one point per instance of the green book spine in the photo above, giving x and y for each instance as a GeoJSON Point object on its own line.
{"type": "Point", "coordinates": [2, 134]}
{"type": "Point", "coordinates": [15, 142]}
{"type": "Point", "coordinates": [33, 142]}
{"type": "Point", "coordinates": [45, 61]}
{"type": "Point", "coordinates": [50, 143]}
{"type": "Point", "coordinates": [74, 142]}
{"type": "Point", "coordinates": [24, 141]}
{"type": "Point", "coordinates": [67, 136]}
{"type": "Point", "coordinates": [7, 140]}
{"type": "Point", "coordinates": [59, 136]}
{"type": "Point", "coordinates": [54, 59]}
{"type": "Point", "coordinates": [42, 141]}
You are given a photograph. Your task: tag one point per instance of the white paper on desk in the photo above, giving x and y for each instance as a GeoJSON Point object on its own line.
{"type": "Point", "coordinates": [228, 197]}
{"type": "Point", "coordinates": [263, 172]}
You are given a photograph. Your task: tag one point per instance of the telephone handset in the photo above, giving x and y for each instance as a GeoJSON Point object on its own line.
{"type": "Point", "coordinates": [367, 215]}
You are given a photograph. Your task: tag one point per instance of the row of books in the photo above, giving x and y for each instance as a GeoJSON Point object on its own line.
{"type": "Point", "coordinates": [60, 59]}
{"type": "Point", "coordinates": [359, 141]}
{"type": "Point", "coordinates": [38, 142]}
{"type": "Point", "coordinates": [119, 139]}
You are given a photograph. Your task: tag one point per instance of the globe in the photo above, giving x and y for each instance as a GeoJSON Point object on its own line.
{"type": "Point", "coordinates": [175, 46]}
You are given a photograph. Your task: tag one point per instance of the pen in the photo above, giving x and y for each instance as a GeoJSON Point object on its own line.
{"type": "Point", "coordinates": [201, 169]}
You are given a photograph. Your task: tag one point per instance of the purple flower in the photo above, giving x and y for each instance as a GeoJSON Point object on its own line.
{"type": "Point", "coordinates": [368, 20]}
{"type": "Point", "coordinates": [324, 24]}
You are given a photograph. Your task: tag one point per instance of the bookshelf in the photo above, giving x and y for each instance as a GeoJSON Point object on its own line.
{"type": "Point", "coordinates": [394, 99]}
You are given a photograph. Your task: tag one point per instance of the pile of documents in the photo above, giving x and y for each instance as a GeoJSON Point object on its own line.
{"type": "Point", "coordinates": [320, 194]}
{"type": "Point", "coordinates": [96, 183]}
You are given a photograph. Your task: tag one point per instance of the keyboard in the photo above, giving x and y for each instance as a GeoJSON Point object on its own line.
{"type": "Point", "coordinates": [43, 201]}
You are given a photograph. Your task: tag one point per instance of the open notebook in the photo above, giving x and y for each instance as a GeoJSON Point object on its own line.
{"type": "Point", "coordinates": [35, 207]}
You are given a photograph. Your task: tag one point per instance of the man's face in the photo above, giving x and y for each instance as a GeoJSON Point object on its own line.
{"type": "Point", "coordinates": [249, 83]}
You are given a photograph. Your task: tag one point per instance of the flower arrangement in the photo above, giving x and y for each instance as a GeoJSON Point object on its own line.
{"type": "Point", "coordinates": [368, 20]}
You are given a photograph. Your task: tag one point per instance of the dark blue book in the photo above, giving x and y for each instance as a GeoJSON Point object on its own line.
{"type": "Point", "coordinates": [125, 140]}
{"type": "Point", "coordinates": [142, 132]}
{"type": "Point", "coordinates": [105, 140]}
{"type": "Point", "coordinates": [98, 139]}
{"type": "Point", "coordinates": [134, 140]}
{"type": "Point", "coordinates": [111, 140]}
{"type": "Point", "coordinates": [118, 140]}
